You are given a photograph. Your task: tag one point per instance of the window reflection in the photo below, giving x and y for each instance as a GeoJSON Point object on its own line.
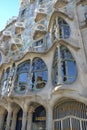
{"type": "Point", "coordinates": [39, 74]}
{"type": "Point", "coordinates": [32, 76]}
{"type": "Point", "coordinates": [22, 76]}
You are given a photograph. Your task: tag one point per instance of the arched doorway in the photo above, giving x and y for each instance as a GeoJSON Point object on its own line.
{"type": "Point", "coordinates": [70, 115]}
{"type": "Point", "coordinates": [19, 120]}
{"type": "Point", "coordinates": [39, 118]}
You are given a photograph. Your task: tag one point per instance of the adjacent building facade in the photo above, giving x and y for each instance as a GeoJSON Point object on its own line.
{"type": "Point", "coordinates": [43, 67]}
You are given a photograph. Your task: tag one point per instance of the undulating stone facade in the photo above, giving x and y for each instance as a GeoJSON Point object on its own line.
{"type": "Point", "coordinates": [43, 67]}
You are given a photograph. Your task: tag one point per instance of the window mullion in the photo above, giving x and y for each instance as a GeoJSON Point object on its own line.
{"type": "Point", "coordinates": [59, 81]}
{"type": "Point", "coordinates": [29, 84]}
{"type": "Point", "coordinates": [57, 29]}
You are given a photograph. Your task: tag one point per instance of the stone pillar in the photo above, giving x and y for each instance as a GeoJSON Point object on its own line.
{"type": "Point", "coordinates": [8, 121]}
{"type": "Point", "coordinates": [29, 121]}
{"type": "Point", "coordinates": [24, 119]}
{"type": "Point", "coordinates": [49, 118]}
{"type": "Point", "coordinates": [2, 116]}
{"type": "Point", "coordinates": [14, 118]}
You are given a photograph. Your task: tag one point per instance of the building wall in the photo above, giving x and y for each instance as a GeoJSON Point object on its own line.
{"type": "Point", "coordinates": [20, 42]}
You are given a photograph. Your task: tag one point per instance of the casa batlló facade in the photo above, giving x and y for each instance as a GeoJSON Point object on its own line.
{"type": "Point", "coordinates": [43, 67]}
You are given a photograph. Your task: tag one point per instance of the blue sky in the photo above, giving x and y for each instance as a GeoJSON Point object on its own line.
{"type": "Point", "coordinates": [8, 8]}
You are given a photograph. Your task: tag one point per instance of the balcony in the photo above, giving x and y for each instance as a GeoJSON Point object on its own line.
{"type": "Point", "coordinates": [40, 14]}
{"type": "Point", "coordinates": [19, 27]}
{"type": "Point", "coordinates": [31, 1]}
{"type": "Point", "coordinates": [60, 3]}
{"type": "Point", "coordinates": [83, 2]}
{"type": "Point", "coordinates": [6, 35]}
{"type": "Point", "coordinates": [40, 31]}
{"type": "Point", "coordinates": [16, 43]}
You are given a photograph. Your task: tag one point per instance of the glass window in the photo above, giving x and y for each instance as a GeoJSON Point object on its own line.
{"type": "Point", "coordinates": [71, 113]}
{"type": "Point", "coordinates": [38, 43]}
{"type": "Point", "coordinates": [65, 64]}
{"type": "Point", "coordinates": [39, 74]}
{"type": "Point", "coordinates": [64, 28]}
{"type": "Point", "coordinates": [68, 65]}
{"type": "Point", "coordinates": [22, 76]}
{"type": "Point", "coordinates": [39, 119]}
{"type": "Point", "coordinates": [60, 29]}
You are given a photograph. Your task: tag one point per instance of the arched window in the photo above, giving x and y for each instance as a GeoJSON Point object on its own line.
{"type": "Point", "coordinates": [64, 66]}
{"type": "Point", "coordinates": [22, 77]}
{"type": "Point", "coordinates": [19, 120]}
{"type": "Point", "coordinates": [60, 29]}
{"type": "Point", "coordinates": [70, 114]}
{"type": "Point", "coordinates": [39, 74]}
{"type": "Point", "coordinates": [39, 118]}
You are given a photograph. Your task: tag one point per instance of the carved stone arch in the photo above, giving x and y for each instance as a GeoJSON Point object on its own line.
{"type": "Point", "coordinates": [39, 115]}
{"type": "Point", "coordinates": [39, 101]}
{"type": "Point", "coordinates": [57, 14]}
{"type": "Point", "coordinates": [19, 103]}
{"type": "Point", "coordinates": [65, 98]}
{"type": "Point", "coordinates": [15, 107]}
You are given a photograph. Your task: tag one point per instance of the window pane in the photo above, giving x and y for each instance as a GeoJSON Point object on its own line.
{"type": "Point", "coordinates": [23, 77]}
{"type": "Point", "coordinates": [39, 74]}
{"type": "Point", "coordinates": [68, 65]}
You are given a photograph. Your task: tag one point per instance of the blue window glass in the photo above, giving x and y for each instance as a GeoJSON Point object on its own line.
{"type": "Point", "coordinates": [39, 74]}
{"type": "Point", "coordinates": [66, 67]}
{"type": "Point", "coordinates": [64, 28]}
{"type": "Point", "coordinates": [22, 77]}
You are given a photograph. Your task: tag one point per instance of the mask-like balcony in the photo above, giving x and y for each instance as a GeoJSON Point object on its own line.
{"type": "Point", "coordinates": [83, 2]}
{"type": "Point", "coordinates": [19, 27]}
{"type": "Point", "coordinates": [16, 43]}
{"type": "Point", "coordinates": [6, 35]}
{"type": "Point", "coordinates": [40, 31]}
{"type": "Point", "coordinates": [40, 14]}
{"type": "Point", "coordinates": [31, 1]}
{"type": "Point", "coordinates": [60, 3]}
